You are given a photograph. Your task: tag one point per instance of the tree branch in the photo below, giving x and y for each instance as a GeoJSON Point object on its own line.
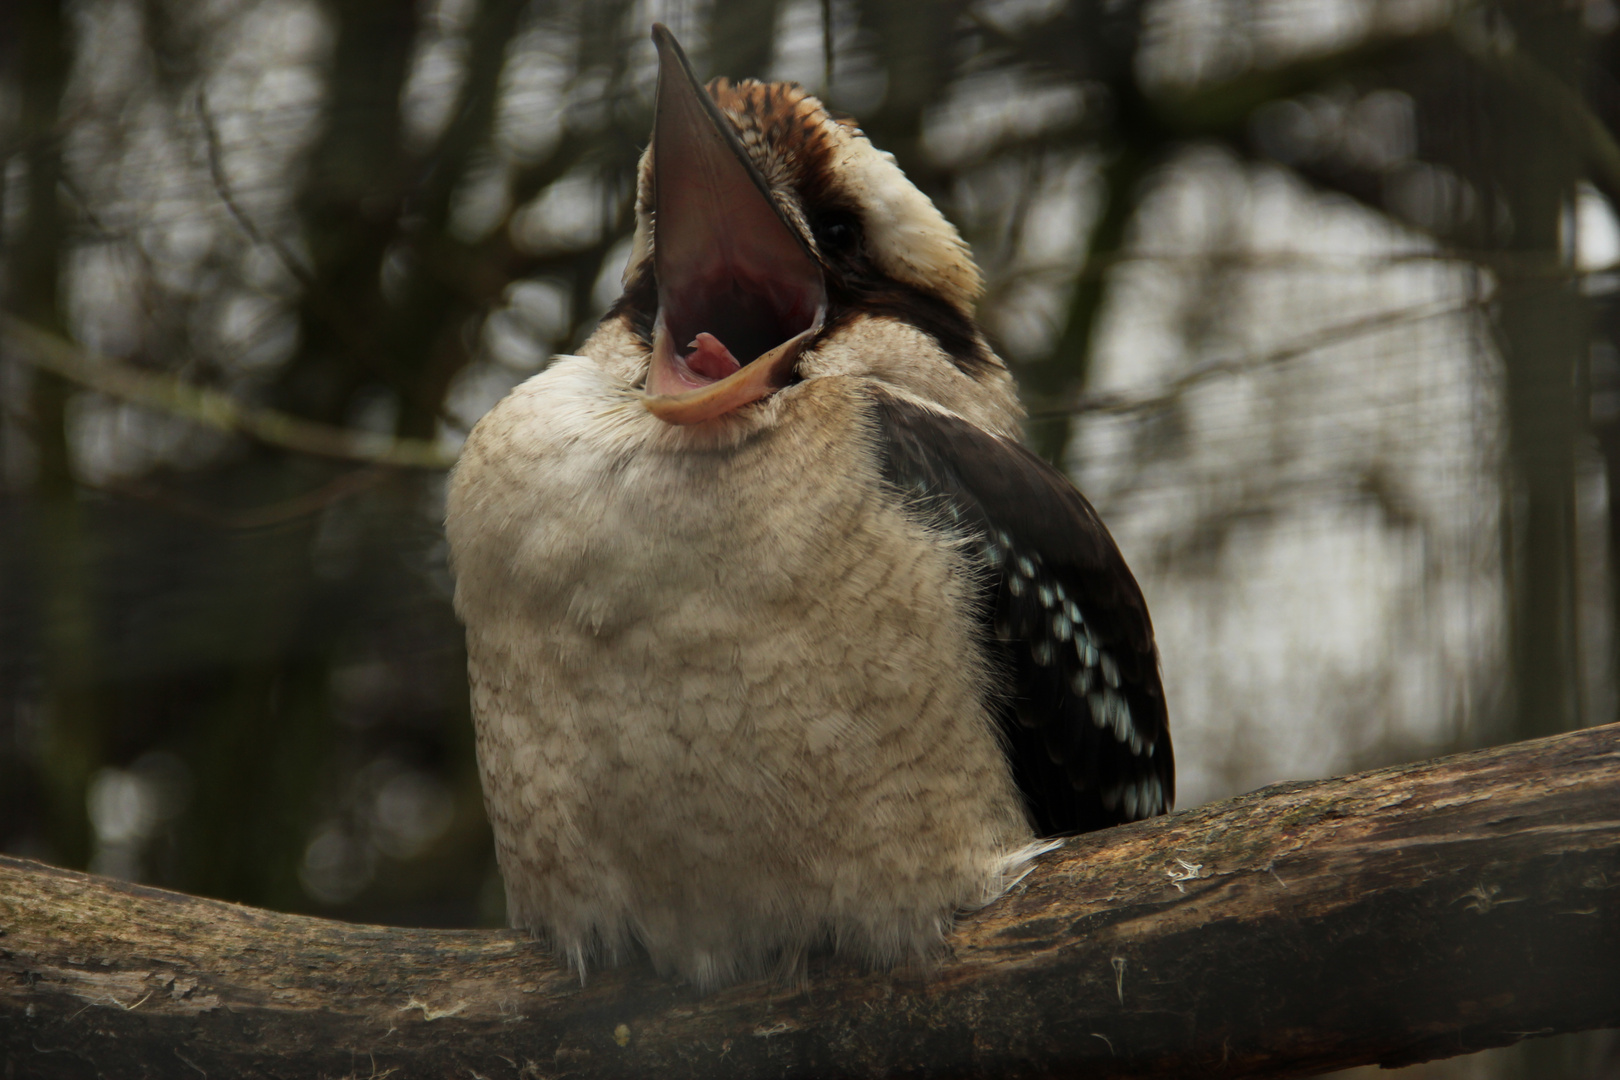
{"type": "Point", "coordinates": [213, 408]}
{"type": "Point", "coordinates": [1158, 395]}
{"type": "Point", "coordinates": [1416, 912]}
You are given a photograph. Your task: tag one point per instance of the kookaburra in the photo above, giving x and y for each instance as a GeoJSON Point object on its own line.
{"type": "Point", "coordinates": [778, 639]}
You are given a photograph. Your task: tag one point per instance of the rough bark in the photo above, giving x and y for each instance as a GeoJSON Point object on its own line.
{"type": "Point", "coordinates": [1416, 912]}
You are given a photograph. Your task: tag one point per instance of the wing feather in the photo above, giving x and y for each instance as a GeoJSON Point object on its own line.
{"type": "Point", "coordinates": [1081, 704]}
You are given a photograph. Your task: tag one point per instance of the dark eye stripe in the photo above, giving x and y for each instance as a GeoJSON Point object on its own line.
{"type": "Point", "coordinates": [957, 337]}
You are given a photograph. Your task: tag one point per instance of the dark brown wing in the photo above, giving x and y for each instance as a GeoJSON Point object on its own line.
{"type": "Point", "coordinates": [1082, 707]}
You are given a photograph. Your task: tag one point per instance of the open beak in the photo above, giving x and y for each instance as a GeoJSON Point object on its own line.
{"type": "Point", "coordinates": [738, 293]}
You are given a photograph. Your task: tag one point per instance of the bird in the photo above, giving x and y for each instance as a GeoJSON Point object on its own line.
{"type": "Point", "coordinates": [780, 643]}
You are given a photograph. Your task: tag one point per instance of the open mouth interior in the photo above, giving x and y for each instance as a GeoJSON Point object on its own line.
{"type": "Point", "coordinates": [721, 321]}
{"type": "Point", "coordinates": [739, 293]}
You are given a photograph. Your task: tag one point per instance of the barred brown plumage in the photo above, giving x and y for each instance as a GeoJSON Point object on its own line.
{"type": "Point", "coordinates": [778, 640]}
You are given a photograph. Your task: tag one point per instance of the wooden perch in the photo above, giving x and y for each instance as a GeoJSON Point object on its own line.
{"type": "Point", "coordinates": [1410, 913]}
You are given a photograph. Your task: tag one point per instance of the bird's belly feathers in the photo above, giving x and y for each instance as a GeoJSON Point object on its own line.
{"type": "Point", "coordinates": [726, 709]}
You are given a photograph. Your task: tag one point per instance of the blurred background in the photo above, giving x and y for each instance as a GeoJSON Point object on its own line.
{"type": "Point", "coordinates": [1316, 299]}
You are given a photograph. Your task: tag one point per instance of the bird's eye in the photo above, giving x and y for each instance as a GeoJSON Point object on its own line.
{"type": "Point", "coordinates": [838, 233]}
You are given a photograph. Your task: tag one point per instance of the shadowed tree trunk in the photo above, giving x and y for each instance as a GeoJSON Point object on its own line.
{"type": "Point", "coordinates": [1541, 325]}
{"type": "Point", "coordinates": [72, 741]}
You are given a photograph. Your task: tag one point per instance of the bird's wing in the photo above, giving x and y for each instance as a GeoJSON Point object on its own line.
{"type": "Point", "coordinates": [1082, 708]}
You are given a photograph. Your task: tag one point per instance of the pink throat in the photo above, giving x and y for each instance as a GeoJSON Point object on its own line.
{"type": "Point", "coordinates": [709, 358]}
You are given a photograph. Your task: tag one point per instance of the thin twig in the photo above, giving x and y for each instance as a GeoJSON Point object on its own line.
{"type": "Point", "coordinates": [342, 487]}
{"type": "Point", "coordinates": [222, 188]}
{"type": "Point", "coordinates": [826, 47]}
{"type": "Point", "coordinates": [1162, 393]}
{"type": "Point", "coordinates": [333, 315]}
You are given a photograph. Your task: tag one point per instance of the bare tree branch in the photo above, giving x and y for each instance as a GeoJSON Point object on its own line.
{"type": "Point", "coordinates": [1416, 912]}
{"type": "Point", "coordinates": [215, 409]}
{"type": "Point", "coordinates": [343, 323]}
{"type": "Point", "coordinates": [1560, 102]}
{"type": "Point", "coordinates": [1160, 394]}
{"type": "Point", "coordinates": [340, 487]}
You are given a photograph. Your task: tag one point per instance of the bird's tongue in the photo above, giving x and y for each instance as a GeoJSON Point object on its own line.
{"type": "Point", "coordinates": [709, 358]}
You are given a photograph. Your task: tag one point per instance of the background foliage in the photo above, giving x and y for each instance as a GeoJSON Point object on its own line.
{"type": "Point", "coordinates": [1314, 297]}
